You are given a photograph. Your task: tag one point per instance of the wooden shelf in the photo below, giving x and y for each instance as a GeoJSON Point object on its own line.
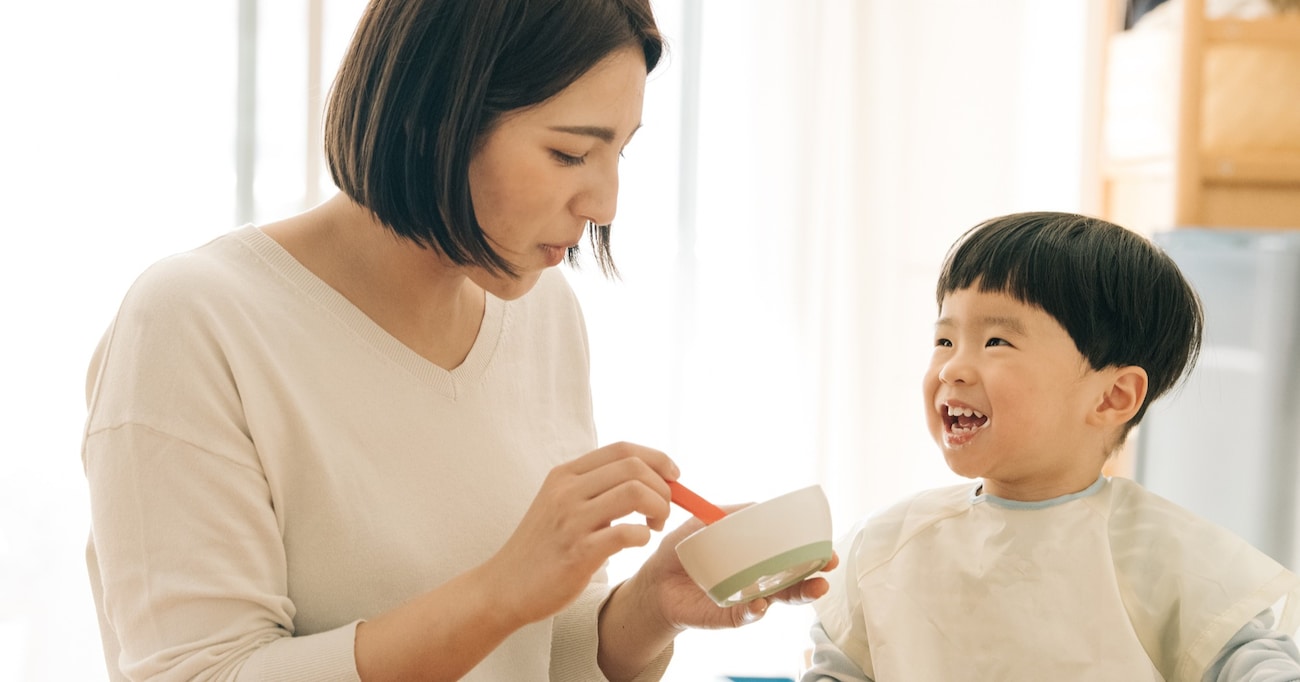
{"type": "Point", "coordinates": [1227, 93]}
{"type": "Point", "coordinates": [1284, 30]}
{"type": "Point", "coordinates": [1258, 168]}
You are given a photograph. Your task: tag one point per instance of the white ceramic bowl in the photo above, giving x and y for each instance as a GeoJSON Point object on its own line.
{"type": "Point", "coordinates": [761, 549]}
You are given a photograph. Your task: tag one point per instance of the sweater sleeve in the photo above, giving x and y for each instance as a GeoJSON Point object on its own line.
{"type": "Point", "coordinates": [188, 560]}
{"type": "Point", "coordinates": [192, 569]}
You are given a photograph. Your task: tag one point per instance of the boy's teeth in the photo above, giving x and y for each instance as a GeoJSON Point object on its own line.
{"type": "Point", "coordinates": [963, 412]}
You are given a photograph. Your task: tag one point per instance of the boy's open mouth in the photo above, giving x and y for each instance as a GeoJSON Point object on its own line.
{"type": "Point", "coordinates": [961, 421]}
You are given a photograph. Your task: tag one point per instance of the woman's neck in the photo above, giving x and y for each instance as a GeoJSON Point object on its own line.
{"type": "Point", "coordinates": [413, 293]}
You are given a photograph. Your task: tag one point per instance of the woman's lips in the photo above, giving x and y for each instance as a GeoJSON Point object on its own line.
{"type": "Point", "coordinates": [554, 254]}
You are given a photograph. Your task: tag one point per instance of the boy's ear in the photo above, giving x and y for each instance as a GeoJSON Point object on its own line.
{"type": "Point", "coordinates": [1124, 392]}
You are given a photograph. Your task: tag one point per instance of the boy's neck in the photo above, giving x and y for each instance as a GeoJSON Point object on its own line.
{"type": "Point", "coordinates": [1040, 490]}
{"type": "Point", "coordinates": [1010, 503]}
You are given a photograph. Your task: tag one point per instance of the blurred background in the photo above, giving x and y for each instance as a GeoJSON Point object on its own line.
{"type": "Point", "coordinates": [802, 169]}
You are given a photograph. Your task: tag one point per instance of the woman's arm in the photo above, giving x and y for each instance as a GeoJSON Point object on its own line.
{"type": "Point", "coordinates": [194, 569]}
{"type": "Point", "coordinates": [564, 539]}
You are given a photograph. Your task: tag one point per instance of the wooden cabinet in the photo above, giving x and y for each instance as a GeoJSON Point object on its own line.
{"type": "Point", "coordinates": [1201, 122]}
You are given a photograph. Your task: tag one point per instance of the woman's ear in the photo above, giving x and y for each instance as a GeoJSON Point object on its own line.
{"type": "Point", "coordinates": [1123, 395]}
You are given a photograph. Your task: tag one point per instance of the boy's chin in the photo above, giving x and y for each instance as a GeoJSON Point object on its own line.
{"type": "Point", "coordinates": [961, 462]}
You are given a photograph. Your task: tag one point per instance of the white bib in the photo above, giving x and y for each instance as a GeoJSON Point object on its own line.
{"type": "Point", "coordinates": [1111, 584]}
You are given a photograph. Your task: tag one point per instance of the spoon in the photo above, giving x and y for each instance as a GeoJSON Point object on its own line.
{"type": "Point", "coordinates": [701, 508]}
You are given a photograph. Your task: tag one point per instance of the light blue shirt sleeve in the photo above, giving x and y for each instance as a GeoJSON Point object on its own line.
{"type": "Point", "coordinates": [1257, 653]}
{"type": "Point", "coordinates": [829, 664]}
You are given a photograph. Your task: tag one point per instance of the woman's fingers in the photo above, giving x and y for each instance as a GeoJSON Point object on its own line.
{"type": "Point", "coordinates": [810, 589]}
{"type": "Point", "coordinates": [625, 487]}
{"type": "Point", "coordinates": [620, 536]}
{"type": "Point", "coordinates": [570, 528]}
{"type": "Point", "coordinates": [613, 482]}
{"type": "Point", "coordinates": [630, 497]}
{"type": "Point", "coordinates": [803, 592]}
{"type": "Point", "coordinates": [659, 462]}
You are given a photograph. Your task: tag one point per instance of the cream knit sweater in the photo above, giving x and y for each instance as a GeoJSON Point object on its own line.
{"type": "Point", "coordinates": [267, 467]}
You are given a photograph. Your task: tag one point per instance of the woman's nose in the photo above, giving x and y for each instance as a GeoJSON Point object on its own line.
{"type": "Point", "coordinates": [598, 202]}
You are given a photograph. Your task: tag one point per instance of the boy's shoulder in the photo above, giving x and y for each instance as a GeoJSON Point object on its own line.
{"type": "Point", "coordinates": [1189, 584]}
{"type": "Point", "coordinates": [1151, 521]}
{"type": "Point", "coordinates": [1149, 532]}
{"type": "Point", "coordinates": [876, 538]}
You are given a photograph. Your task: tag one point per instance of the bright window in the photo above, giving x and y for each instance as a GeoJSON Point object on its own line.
{"type": "Point", "coordinates": [778, 234]}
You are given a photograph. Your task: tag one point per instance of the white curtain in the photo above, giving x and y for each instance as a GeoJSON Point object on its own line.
{"type": "Point", "coordinates": [842, 146]}
{"type": "Point", "coordinates": [774, 313]}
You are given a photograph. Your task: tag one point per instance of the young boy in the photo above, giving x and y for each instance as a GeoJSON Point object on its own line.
{"type": "Point", "coordinates": [1055, 333]}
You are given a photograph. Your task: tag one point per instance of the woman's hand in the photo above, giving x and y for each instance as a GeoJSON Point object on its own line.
{"type": "Point", "coordinates": [565, 536]}
{"type": "Point", "coordinates": [683, 604]}
{"type": "Point", "coordinates": [568, 532]}
{"type": "Point", "coordinates": [645, 613]}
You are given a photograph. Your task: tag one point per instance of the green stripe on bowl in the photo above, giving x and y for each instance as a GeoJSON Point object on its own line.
{"type": "Point", "coordinates": [772, 575]}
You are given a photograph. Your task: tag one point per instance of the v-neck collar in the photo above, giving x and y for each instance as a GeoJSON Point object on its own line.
{"type": "Point", "coordinates": [448, 382]}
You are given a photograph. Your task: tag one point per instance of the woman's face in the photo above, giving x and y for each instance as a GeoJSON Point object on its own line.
{"type": "Point", "coordinates": [542, 173]}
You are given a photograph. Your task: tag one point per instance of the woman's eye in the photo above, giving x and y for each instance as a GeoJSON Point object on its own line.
{"type": "Point", "coordinates": [997, 342]}
{"type": "Point", "coordinates": [568, 159]}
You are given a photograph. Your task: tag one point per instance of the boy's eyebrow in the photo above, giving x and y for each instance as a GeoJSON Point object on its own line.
{"type": "Point", "coordinates": [1012, 323]}
{"type": "Point", "coordinates": [601, 133]}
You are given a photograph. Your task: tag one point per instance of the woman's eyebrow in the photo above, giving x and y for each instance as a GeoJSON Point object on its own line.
{"type": "Point", "coordinates": [601, 133]}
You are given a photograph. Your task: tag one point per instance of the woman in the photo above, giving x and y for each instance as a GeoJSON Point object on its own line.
{"type": "Point", "coordinates": [348, 445]}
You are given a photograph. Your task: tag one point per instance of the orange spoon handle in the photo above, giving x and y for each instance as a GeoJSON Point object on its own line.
{"type": "Point", "coordinates": [700, 507]}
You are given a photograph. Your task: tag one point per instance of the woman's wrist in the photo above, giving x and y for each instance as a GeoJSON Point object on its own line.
{"type": "Point", "coordinates": [441, 634]}
{"type": "Point", "coordinates": [633, 629]}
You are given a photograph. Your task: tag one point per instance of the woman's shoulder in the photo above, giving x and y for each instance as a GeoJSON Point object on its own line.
{"type": "Point", "coordinates": [185, 298]}
{"type": "Point", "coordinates": [203, 271]}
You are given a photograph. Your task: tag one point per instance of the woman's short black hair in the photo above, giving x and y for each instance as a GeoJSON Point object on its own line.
{"type": "Point", "coordinates": [424, 80]}
{"type": "Point", "coordinates": [1121, 298]}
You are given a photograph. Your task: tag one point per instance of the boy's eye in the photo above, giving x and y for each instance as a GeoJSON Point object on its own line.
{"type": "Point", "coordinates": [997, 342]}
{"type": "Point", "coordinates": [945, 343]}
{"type": "Point", "coordinates": [568, 159]}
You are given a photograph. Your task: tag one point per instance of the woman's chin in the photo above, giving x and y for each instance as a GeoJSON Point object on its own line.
{"type": "Point", "coordinates": [508, 288]}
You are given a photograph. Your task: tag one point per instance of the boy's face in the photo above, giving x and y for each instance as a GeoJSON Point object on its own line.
{"type": "Point", "coordinates": [1007, 396]}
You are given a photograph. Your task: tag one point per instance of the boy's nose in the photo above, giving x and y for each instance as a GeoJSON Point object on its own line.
{"type": "Point", "coordinates": [956, 371]}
